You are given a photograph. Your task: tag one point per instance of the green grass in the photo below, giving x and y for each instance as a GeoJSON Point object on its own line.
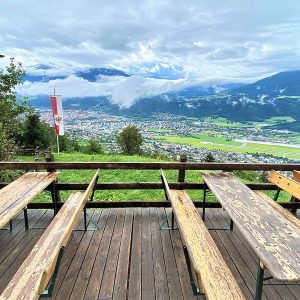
{"type": "Point", "coordinates": [275, 120]}
{"type": "Point", "coordinates": [116, 176]}
{"type": "Point", "coordinates": [130, 176]}
{"type": "Point", "coordinates": [223, 122]}
{"type": "Point", "coordinates": [220, 143]}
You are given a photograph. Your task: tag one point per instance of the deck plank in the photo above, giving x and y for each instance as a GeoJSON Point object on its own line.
{"type": "Point", "coordinates": [148, 288]}
{"type": "Point", "coordinates": [89, 260]}
{"type": "Point", "coordinates": [135, 273]}
{"type": "Point", "coordinates": [121, 281]}
{"type": "Point", "coordinates": [85, 272]}
{"type": "Point", "coordinates": [175, 291]}
{"type": "Point", "coordinates": [160, 278]}
{"type": "Point", "coordinates": [108, 280]}
{"type": "Point", "coordinates": [76, 264]}
{"type": "Point", "coordinates": [95, 280]}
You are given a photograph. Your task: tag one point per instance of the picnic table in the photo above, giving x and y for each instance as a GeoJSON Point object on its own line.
{"type": "Point", "coordinates": [15, 196]}
{"type": "Point", "coordinates": [273, 235]}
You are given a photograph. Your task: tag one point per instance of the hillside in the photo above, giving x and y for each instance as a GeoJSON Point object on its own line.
{"type": "Point", "coordinates": [273, 96]}
{"type": "Point", "coordinates": [281, 84]}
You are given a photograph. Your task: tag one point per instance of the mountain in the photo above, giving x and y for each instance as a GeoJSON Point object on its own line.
{"type": "Point", "coordinates": [42, 73]}
{"type": "Point", "coordinates": [93, 73]}
{"type": "Point", "coordinates": [281, 84]}
{"type": "Point", "coordinates": [276, 95]}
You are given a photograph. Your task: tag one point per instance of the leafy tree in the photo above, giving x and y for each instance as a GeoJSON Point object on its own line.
{"type": "Point", "coordinates": [7, 146]}
{"type": "Point", "coordinates": [10, 109]}
{"type": "Point", "coordinates": [209, 158]}
{"type": "Point", "coordinates": [75, 146]}
{"type": "Point", "coordinates": [130, 140]}
{"type": "Point", "coordinates": [36, 132]}
{"type": "Point", "coordinates": [94, 147]}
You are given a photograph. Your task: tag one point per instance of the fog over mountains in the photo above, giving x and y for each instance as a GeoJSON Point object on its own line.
{"type": "Point", "coordinates": [164, 90]}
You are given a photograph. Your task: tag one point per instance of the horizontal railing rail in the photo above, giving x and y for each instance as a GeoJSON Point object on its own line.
{"type": "Point", "coordinates": [146, 166]}
{"type": "Point", "coordinates": [147, 186]}
{"type": "Point", "coordinates": [181, 167]}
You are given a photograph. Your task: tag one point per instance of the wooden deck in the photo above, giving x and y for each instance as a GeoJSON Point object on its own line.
{"type": "Point", "coordinates": [129, 257]}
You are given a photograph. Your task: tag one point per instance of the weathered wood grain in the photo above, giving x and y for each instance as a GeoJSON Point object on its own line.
{"type": "Point", "coordinates": [296, 176]}
{"type": "Point", "coordinates": [213, 276]}
{"type": "Point", "coordinates": [273, 237]}
{"type": "Point", "coordinates": [287, 184]}
{"type": "Point", "coordinates": [34, 274]}
{"type": "Point", "coordinates": [15, 196]}
{"type": "Point", "coordinates": [289, 216]}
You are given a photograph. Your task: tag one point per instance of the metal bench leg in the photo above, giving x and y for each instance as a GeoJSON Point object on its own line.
{"type": "Point", "coordinates": [276, 196]}
{"type": "Point", "coordinates": [26, 219]}
{"type": "Point", "coordinates": [84, 217]}
{"type": "Point", "coordinates": [196, 290]}
{"type": "Point", "coordinates": [231, 224]}
{"type": "Point", "coordinates": [48, 292]}
{"type": "Point", "coordinates": [204, 203]}
{"type": "Point", "coordinates": [259, 281]}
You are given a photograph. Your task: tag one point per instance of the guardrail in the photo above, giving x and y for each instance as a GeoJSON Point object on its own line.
{"type": "Point", "coordinates": [181, 166]}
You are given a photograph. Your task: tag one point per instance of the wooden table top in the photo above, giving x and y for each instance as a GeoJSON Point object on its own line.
{"type": "Point", "coordinates": [15, 196]}
{"type": "Point", "coordinates": [274, 238]}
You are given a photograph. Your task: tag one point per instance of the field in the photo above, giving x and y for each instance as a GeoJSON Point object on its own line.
{"type": "Point", "coordinates": [128, 176]}
{"type": "Point", "coordinates": [220, 143]}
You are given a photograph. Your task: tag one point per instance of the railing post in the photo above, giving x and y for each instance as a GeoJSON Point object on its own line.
{"type": "Point", "coordinates": [181, 173]}
{"type": "Point", "coordinates": [49, 157]}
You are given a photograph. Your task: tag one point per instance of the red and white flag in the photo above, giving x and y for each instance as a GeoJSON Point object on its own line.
{"type": "Point", "coordinates": [56, 103]}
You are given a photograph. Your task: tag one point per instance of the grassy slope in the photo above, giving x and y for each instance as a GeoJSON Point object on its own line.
{"type": "Point", "coordinates": [127, 176]}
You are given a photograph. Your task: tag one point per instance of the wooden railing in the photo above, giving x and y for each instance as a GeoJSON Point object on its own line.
{"type": "Point", "coordinates": [181, 166]}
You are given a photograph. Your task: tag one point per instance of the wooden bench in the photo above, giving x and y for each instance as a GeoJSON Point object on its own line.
{"type": "Point", "coordinates": [213, 275]}
{"type": "Point", "coordinates": [272, 232]}
{"type": "Point", "coordinates": [15, 197]}
{"type": "Point", "coordinates": [292, 186]}
{"type": "Point", "coordinates": [34, 274]}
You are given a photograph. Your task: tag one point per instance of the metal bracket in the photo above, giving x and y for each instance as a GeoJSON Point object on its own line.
{"type": "Point", "coordinates": [10, 226]}
{"type": "Point", "coordinates": [230, 228]}
{"type": "Point", "coordinates": [86, 217]}
{"type": "Point", "coordinates": [260, 281]}
{"type": "Point", "coordinates": [48, 292]}
{"type": "Point", "coordinates": [196, 290]}
{"type": "Point", "coordinates": [161, 227]}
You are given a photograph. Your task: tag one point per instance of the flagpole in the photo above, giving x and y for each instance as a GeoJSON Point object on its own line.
{"type": "Point", "coordinates": [57, 140]}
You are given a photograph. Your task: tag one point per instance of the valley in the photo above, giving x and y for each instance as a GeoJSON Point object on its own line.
{"type": "Point", "coordinates": [173, 135]}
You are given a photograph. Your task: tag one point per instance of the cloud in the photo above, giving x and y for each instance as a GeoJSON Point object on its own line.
{"type": "Point", "coordinates": [236, 40]}
{"type": "Point", "coordinates": [123, 91]}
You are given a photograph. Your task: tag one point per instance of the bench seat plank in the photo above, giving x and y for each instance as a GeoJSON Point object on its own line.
{"type": "Point", "coordinates": [287, 184]}
{"type": "Point", "coordinates": [214, 277]}
{"type": "Point", "coordinates": [284, 212]}
{"type": "Point", "coordinates": [272, 235]}
{"type": "Point", "coordinates": [39, 265]}
{"type": "Point", "coordinates": [34, 274]}
{"type": "Point", "coordinates": [15, 196]}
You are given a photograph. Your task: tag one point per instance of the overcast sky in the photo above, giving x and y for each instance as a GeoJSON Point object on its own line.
{"type": "Point", "coordinates": [232, 40]}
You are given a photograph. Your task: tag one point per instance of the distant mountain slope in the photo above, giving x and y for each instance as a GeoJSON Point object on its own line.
{"type": "Point", "coordinates": [281, 84]}
{"type": "Point", "coordinates": [93, 73]}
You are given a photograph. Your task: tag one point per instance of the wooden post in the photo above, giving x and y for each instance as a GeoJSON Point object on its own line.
{"type": "Point", "coordinates": [181, 172]}
{"type": "Point", "coordinates": [49, 157]}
